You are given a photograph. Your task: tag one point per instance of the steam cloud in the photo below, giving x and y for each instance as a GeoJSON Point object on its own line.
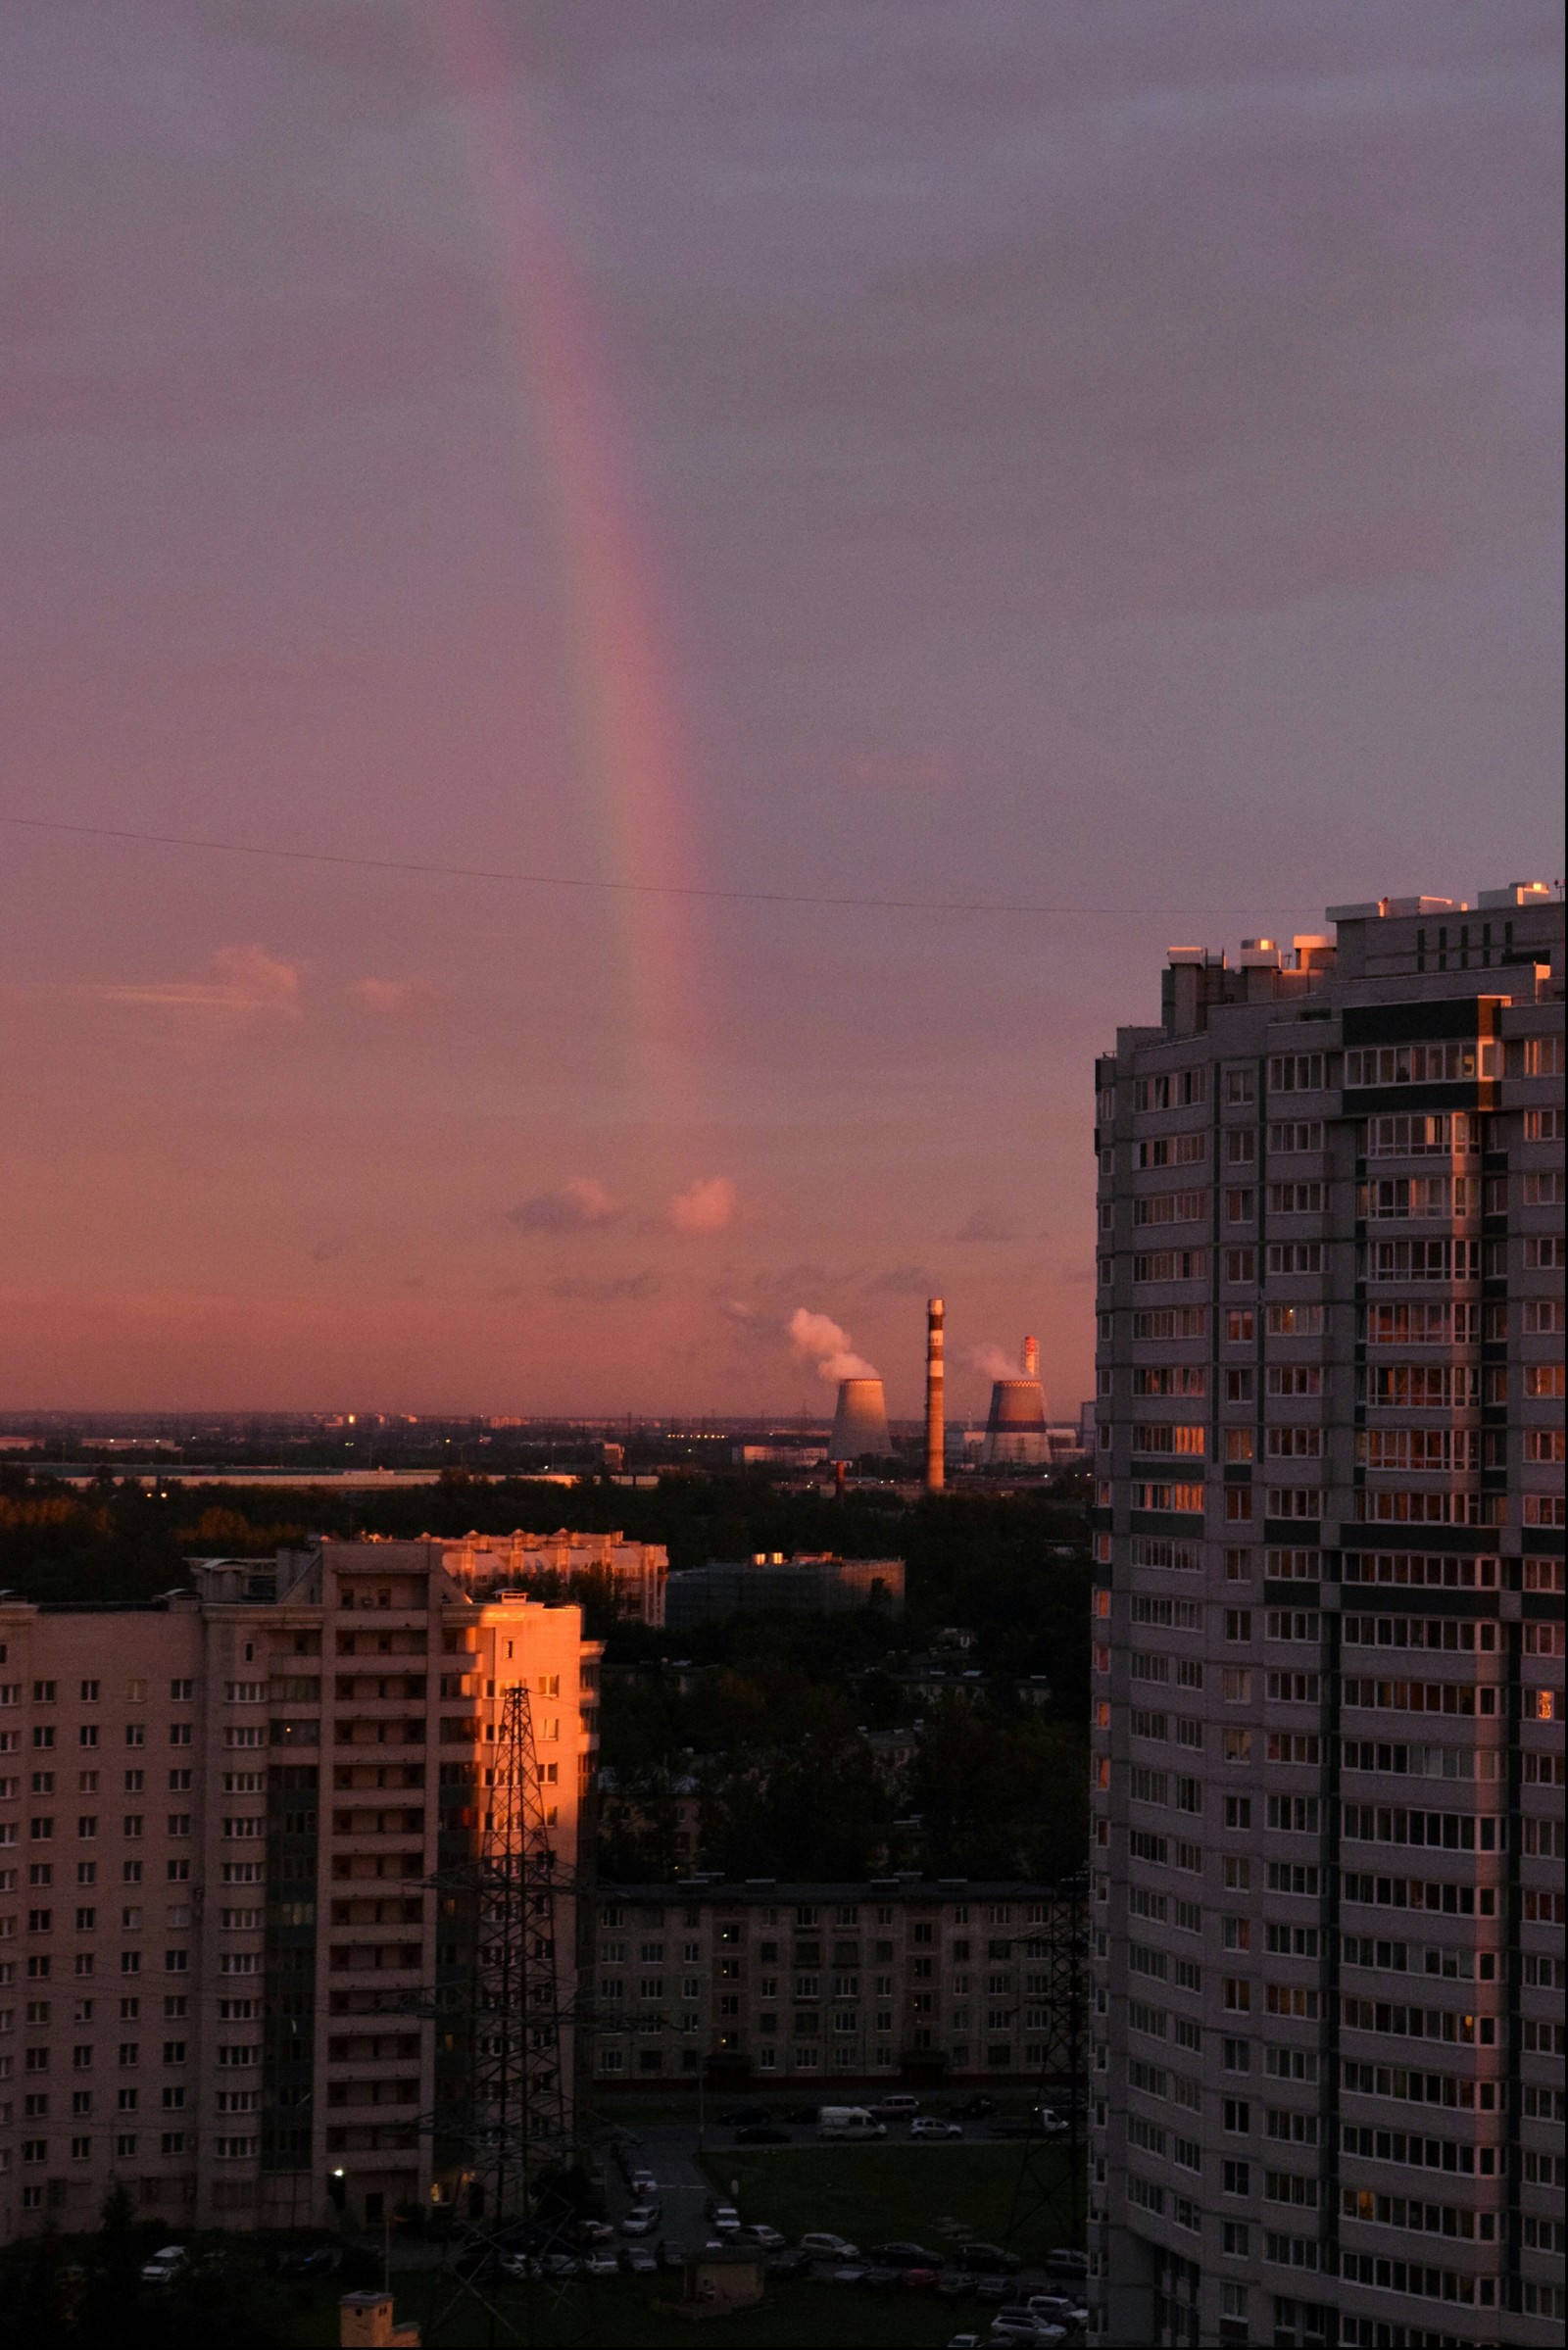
{"type": "Point", "coordinates": [992, 1363]}
{"type": "Point", "coordinates": [821, 1341]}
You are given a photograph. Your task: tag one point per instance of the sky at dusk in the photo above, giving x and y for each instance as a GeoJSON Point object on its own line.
{"type": "Point", "coordinates": [926, 505]}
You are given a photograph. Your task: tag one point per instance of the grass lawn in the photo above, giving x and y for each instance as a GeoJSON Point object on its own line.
{"type": "Point", "coordinates": [934, 2194]}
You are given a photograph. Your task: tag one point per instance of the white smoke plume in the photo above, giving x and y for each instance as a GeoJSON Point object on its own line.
{"type": "Point", "coordinates": [992, 1363]}
{"type": "Point", "coordinates": [821, 1341]}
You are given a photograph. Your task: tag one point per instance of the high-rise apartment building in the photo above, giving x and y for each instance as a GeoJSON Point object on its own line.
{"type": "Point", "coordinates": [1327, 1913]}
{"type": "Point", "coordinates": [222, 1961]}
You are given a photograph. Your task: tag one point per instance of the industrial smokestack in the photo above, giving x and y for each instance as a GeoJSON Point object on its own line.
{"type": "Point", "coordinates": [861, 1422]}
{"type": "Point", "coordinates": [935, 1416]}
{"type": "Point", "coordinates": [1031, 1358]}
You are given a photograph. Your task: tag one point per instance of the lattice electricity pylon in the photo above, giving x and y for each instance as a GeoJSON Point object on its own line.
{"type": "Point", "coordinates": [1065, 2055]}
{"type": "Point", "coordinates": [504, 2111]}
{"type": "Point", "coordinates": [500, 2116]}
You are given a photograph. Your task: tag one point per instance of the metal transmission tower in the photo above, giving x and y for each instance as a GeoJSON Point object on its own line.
{"type": "Point", "coordinates": [502, 2109]}
{"type": "Point", "coordinates": [1063, 2077]}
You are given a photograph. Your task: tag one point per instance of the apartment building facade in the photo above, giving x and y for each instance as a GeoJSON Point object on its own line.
{"type": "Point", "coordinates": [1327, 1916]}
{"type": "Point", "coordinates": [808, 1987]}
{"type": "Point", "coordinates": [223, 1960]}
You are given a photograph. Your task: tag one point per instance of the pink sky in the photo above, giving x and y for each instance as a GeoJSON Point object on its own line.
{"type": "Point", "coordinates": [1073, 457]}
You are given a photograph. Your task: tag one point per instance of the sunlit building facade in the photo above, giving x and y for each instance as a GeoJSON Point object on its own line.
{"type": "Point", "coordinates": [226, 1976]}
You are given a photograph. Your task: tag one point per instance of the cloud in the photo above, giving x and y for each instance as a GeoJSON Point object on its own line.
{"type": "Point", "coordinates": [982, 1226]}
{"type": "Point", "coordinates": [383, 996]}
{"type": "Point", "coordinates": [578, 1205]}
{"type": "Point", "coordinates": [901, 1281]}
{"type": "Point", "coordinates": [821, 1341]}
{"type": "Point", "coordinates": [992, 1363]}
{"type": "Point", "coordinates": [244, 980]}
{"type": "Point", "coordinates": [706, 1206]}
{"type": "Point", "coordinates": [615, 1290]}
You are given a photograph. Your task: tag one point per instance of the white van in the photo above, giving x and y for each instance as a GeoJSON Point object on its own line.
{"type": "Point", "coordinates": [849, 2122]}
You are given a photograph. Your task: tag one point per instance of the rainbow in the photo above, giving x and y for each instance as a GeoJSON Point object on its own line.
{"type": "Point", "coordinates": [632, 760]}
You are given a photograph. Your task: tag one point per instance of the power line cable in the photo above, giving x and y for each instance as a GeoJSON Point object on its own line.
{"type": "Point", "coordinates": [648, 889]}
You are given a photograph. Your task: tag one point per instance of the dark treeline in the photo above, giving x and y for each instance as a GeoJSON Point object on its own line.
{"type": "Point", "coordinates": [771, 1733]}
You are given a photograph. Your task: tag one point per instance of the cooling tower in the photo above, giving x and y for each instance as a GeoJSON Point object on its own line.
{"type": "Point", "coordinates": [1016, 1432]}
{"type": "Point", "coordinates": [861, 1422]}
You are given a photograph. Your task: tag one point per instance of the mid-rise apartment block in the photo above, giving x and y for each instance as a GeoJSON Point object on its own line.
{"type": "Point", "coordinates": [800, 1987]}
{"type": "Point", "coordinates": [1327, 1913]}
{"type": "Point", "coordinates": [225, 1972]}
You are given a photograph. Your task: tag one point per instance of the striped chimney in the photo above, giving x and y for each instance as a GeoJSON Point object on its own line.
{"type": "Point", "coordinates": [935, 1417]}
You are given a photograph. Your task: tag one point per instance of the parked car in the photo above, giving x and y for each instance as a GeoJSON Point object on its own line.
{"type": "Point", "coordinates": [926, 2126]}
{"type": "Point", "coordinates": [769, 2238]}
{"type": "Point", "coordinates": [321, 2260]}
{"type": "Point", "coordinates": [899, 2107]}
{"type": "Point", "coordinates": [638, 2261]}
{"type": "Point", "coordinates": [761, 2134]}
{"type": "Point", "coordinates": [976, 2109]}
{"type": "Point", "coordinates": [880, 2277]}
{"type": "Point", "coordinates": [1058, 2308]}
{"type": "Point", "coordinates": [803, 2116]}
{"type": "Point", "coordinates": [849, 2122]}
{"type": "Point", "coordinates": [905, 2255]}
{"type": "Point", "coordinates": [989, 2287]}
{"type": "Point", "coordinates": [823, 2246]}
{"type": "Point", "coordinates": [922, 2279]}
{"type": "Point", "coordinates": [165, 2266]}
{"type": "Point", "coordinates": [991, 2258]}
{"type": "Point", "coordinates": [643, 2186]}
{"type": "Point", "coordinates": [964, 2342]}
{"type": "Point", "coordinates": [737, 2117]}
{"type": "Point", "coordinates": [603, 2263]}
{"type": "Point", "coordinates": [848, 2272]}
{"type": "Point", "coordinates": [641, 2220]}
{"type": "Point", "coordinates": [724, 2219]}
{"type": "Point", "coordinates": [954, 2283]}
{"type": "Point", "coordinates": [589, 2232]}
{"type": "Point", "coordinates": [1063, 2261]}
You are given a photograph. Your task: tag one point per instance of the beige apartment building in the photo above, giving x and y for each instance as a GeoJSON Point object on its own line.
{"type": "Point", "coordinates": [1328, 1911]}
{"type": "Point", "coordinates": [808, 1988]}
{"type": "Point", "coordinates": [637, 1573]}
{"type": "Point", "coordinates": [220, 1951]}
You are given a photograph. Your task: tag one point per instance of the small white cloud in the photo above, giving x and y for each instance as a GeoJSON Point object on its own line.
{"type": "Point", "coordinates": [706, 1206]}
{"type": "Point", "coordinates": [384, 997]}
{"type": "Point", "coordinates": [574, 1207]}
{"type": "Point", "coordinates": [244, 980]}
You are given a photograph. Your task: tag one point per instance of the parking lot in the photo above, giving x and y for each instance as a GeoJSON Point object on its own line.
{"type": "Point", "coordinates": [917, 2219]}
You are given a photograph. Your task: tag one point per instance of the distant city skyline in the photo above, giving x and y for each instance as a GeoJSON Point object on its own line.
{"type": "Point", "coordinates": [997, 456]}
